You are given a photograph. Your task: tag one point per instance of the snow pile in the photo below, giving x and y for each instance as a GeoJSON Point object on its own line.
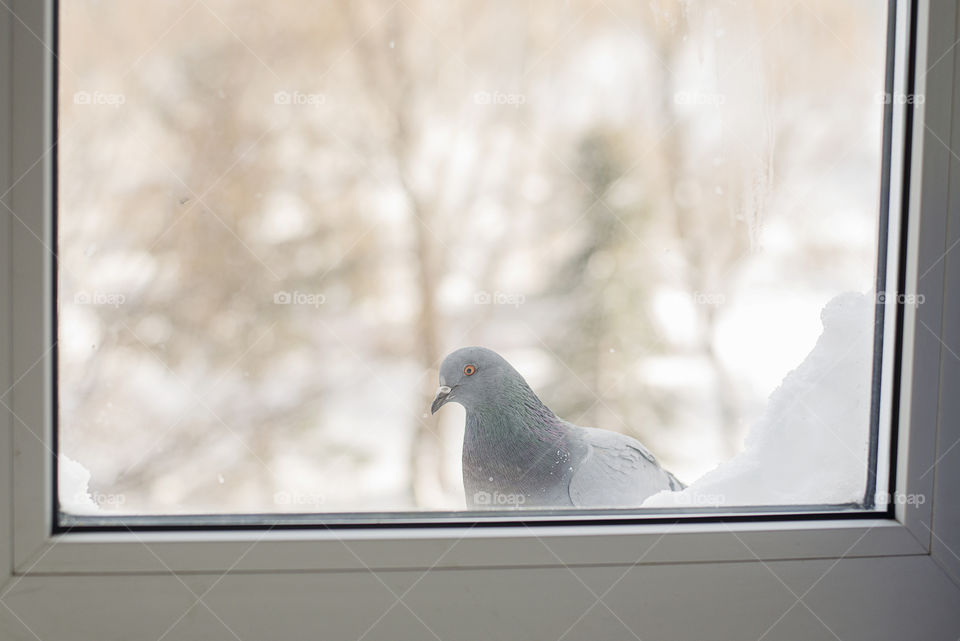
{"type": "Point", "coordinates": [810, 445]}
{"type": "Point", "coordinates": [74, 492]}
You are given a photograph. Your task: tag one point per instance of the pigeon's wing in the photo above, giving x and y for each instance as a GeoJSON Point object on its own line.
{"type": "Point", "coordinates": [616, 471]}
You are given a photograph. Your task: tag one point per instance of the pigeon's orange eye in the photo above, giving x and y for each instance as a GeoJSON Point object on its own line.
{"type": "Point", "coordinates": [469, 370]}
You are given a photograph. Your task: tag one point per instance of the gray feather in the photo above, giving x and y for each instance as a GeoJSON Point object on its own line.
{"type": "Point", "coordinates": [616, 472]}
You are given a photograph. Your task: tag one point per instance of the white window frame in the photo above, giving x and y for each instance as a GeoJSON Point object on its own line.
{"type": "Point", "coordinates": [59, 585]}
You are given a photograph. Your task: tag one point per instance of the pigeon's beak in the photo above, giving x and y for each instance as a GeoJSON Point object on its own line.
{"type": "Point", "coordinates": [443, 393]}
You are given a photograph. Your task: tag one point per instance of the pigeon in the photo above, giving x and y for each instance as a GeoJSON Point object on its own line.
{"type": "Point", "coordinates": [519, 454]}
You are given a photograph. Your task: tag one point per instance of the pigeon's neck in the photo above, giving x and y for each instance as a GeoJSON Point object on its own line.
{"type": "Point", "coordinates": [513, 433]}
{"type": "Point", "coordinates": [518, 402]}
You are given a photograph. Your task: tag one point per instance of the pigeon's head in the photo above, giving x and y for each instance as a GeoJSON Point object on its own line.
{"type": "Point", "coordinates": [472, 375]}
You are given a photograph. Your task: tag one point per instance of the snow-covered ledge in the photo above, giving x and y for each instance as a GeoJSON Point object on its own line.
{"type": "Point", "coordinates": [811, 443]}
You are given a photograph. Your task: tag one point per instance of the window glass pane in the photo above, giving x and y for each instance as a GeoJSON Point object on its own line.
{"type": "Point", "coordinates": [276, 220]}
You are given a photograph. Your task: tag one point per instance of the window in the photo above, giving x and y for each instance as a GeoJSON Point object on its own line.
{"type": "Point", "coordinates": [655, 214]}
{"type": "Point", "coordinates": [873, 575]}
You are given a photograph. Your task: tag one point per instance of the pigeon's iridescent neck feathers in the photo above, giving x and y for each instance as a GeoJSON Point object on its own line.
{"type": "Point", "coordinates": [517, 451]}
